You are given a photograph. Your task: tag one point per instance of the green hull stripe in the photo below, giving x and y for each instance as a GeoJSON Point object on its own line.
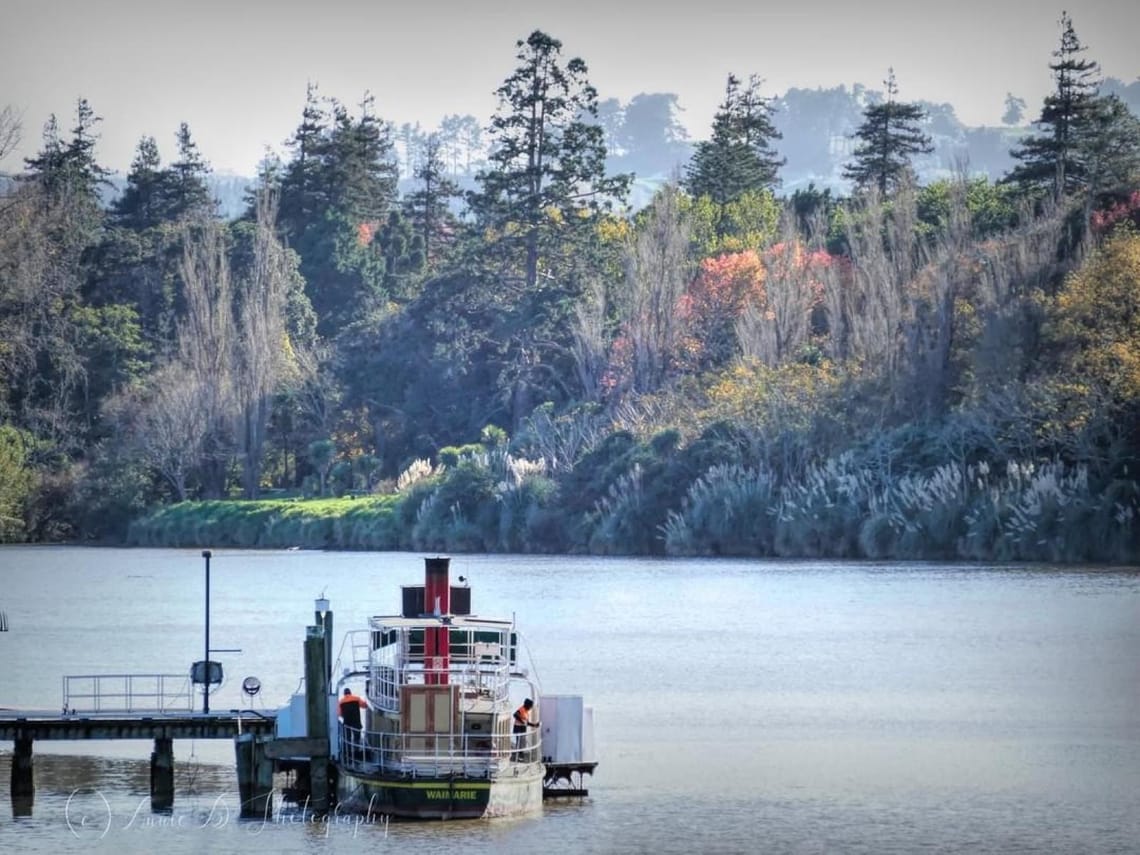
{"type": "Point", "coordinates": [421, 785]}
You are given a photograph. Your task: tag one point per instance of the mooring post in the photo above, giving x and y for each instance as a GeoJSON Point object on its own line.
{"type": "Point", "coordinates": [255, 776]}
{"type": "Point", "coordinates": [162, 775]}
{"type": "Point", "coordinates": [23, 780]}
{"type": "Point", "coordinates": [317, 711]}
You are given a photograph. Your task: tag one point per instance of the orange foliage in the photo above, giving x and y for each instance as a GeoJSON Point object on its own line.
{"type": "Point", "coordinates": [364, 234]}
{"type": "Point", "coordinates": [725, 285]}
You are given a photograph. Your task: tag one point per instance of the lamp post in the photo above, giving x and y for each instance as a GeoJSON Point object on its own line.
{"type": "Point", "coordinates": [206, 683]}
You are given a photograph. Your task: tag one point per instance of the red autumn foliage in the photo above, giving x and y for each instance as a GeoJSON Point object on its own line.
{"type": "Point", "coordinates": [724, 285]}
{"type": "Point", "coordinates": [1128, 209]}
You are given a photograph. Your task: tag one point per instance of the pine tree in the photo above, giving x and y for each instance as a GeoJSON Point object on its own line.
{"type": "Point", "coordinates": [186, 190]}
{"type": "Point", "coordinates": [1050, 160]}
{"type": "Point", "coordinates": [427, 208]}
{"type": "Point", "coordinates": [890, 135]}
{"type": "Point", "coordinates": [48, 167]}
{"type": "Point", "coordinates": [301, 190]}
{"type": "Point", "coordinates": [402, 252]}
{"type": "Point", "coordinates": [70, 168]}
{"type": "Point", "coordinates": [545, 184]}
{"type": "Point", "coordinates": [1014, 109]}
{"type": "Point", "coordinates": [336, 194]}
{"type": "Point", "coordinates": [142, 204]}
{"type": "Point", "coordinates": [359, 167]}
{"type": "Point", "coordinates": [739, 157]}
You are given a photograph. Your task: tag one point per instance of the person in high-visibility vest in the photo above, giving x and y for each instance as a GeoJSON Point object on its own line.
{"type": "Point", "coordinates": [349, 709]}
{"type": "Point", "coordinates": [522, 722]}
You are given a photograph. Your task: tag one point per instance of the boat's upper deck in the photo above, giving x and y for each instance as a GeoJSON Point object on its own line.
{"type": "Point", "coordinates": [435, 621]}
{"type": "Point", "coordinates": [473, 653]}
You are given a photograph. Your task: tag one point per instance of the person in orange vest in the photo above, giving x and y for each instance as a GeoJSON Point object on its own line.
{"type": "Point", "coordinates": [522, 722]}
{"type": "Point", "coordinates": [349, 710]}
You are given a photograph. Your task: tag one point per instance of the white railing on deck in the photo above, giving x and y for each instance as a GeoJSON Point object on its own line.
{"type": "Point", "coordinates": [128, 693]}
{"type": "Point", "coordinates": [488, 682]}
{"type": "Point", "coordinates": [428, 754]}
{"type": "Point", "coordinates": [355, 651]}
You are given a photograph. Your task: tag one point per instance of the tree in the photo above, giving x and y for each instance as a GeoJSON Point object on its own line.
{"type": "Point", "coordinates": [1109, 152]}
{"type": "Point", "coordinates": [262, 346]}
{"type": "Point", "coordinates": [335, 193]}
{"type": "Point", "coordinates": [658, 270]}
{"type": "Point", "coordinates": [167, 423]}
{"type": "Point", "coordinates": [70, 175]}
{"type": "Point", "coordinates": [890, 136]}
{"type": "Point", "coordinates": [1096, 322]}
{"type": "Point", "coordinates": [1095, 329]}
{"type": "Point", "coordinates": [471, 136]}
{"type": "Point", "coordinates": [16, 482]}
{"type": "Point", "coordinates": [322, 454]}
{"type": "Point", "coordinates": [428, 208]}
{"type": "Point", "coordinates": [187, 192]}
{"type": "Point", "coordinates": [47, 227]}
{"type": "Point", "coordinates": [411, 139]}
{"type": "Point", "coordinates": [810, 119]}
{"type": "Point", "coordinates": [1014, 109]}
{"type": "Point", "coordinates": [651, 138]}
{"type": "Point", "coordinates": [301, 190]}
{"type": "Point", "coordinates": [359, 163]}
{"type": "Point", "coordinates": [206, 343]}
{"type": "Point", "coordinates": [9, 131]}
{"type": "Point", "coordinates": [1050, 160]}
{"type": "Point", "coordinates": [401, 253]}
{"type": "Point", "coordinates": [776, 329]}
{"type": "Point", "coordinates": [738, 158]}
{"type": "Point", "coordinates": [725, 286]}
{"type": "Point", "coordinates": [143, 203]}
{"type": "Point", "coordinates": [545, 185]}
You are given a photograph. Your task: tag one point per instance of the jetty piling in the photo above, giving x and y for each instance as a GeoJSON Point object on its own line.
{"type": "Point", "coordinates": [162, 775]}
{"type": "Point", "coordinates": [255, 775]}
{"type": "Point", "coordinates": [23, 776]}
{"type": "Point", "coordinates": [317, 713]}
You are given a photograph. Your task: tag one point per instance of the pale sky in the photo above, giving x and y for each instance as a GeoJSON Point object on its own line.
{"type": "Point", "coordinates": [236, 70]}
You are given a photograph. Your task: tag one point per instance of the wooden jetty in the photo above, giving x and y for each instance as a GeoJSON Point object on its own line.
{"type": "Point", "coordinates": [250, 731]}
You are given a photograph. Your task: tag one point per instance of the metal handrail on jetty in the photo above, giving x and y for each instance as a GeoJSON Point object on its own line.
{"type": "Point", "coordinates": [127, 693]}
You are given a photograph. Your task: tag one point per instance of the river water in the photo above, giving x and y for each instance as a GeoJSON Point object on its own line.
{"type": "Point", "coordinates": [740, 706]}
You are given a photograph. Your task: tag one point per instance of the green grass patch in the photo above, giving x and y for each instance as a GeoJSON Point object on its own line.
{"type": "Point", "coordinates": [340, 523]}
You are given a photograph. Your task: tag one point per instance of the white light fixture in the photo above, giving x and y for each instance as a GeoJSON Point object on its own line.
{"type": "Point", "coordinates": [322, 605]}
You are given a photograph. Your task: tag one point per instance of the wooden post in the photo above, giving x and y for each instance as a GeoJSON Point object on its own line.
{"type": "Point", "coordinates": [317, 712]}
{"type": "Point", "coordinates": [162, 775]}
{"type": "Point", "coordinates": [327, 624]}
{"type": "Point", "coordinates": [23, 780]}
{"type": "Point", "coordinates": [255, 776]}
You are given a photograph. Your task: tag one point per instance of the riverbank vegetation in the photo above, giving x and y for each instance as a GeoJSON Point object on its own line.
{"type": "Point", "coordinates": [948, 370]}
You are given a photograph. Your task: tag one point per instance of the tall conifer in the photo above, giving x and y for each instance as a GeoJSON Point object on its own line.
{"type": "Point", "coordinates": [1050, 160]}
{"type": "Point", "coordinates": [889, 137]}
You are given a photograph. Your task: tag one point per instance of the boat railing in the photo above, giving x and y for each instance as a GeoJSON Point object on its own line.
{"type": "Point", "coordinates": [355, 651]}
{"type": "Point", "coordinates": [434, 754]}
{"type": "Point", "coordinates": [128, 693]}
{"type": "Point", "coordinates": [478, 681]}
